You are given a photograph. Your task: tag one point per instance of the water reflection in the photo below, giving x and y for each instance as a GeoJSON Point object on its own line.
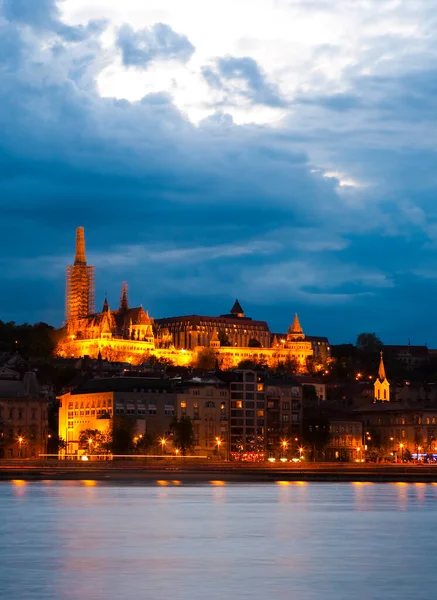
{"type": "Point", "coordinates": [285, 540]}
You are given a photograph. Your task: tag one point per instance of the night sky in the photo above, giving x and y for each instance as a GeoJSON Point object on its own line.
{"type": "Point", "coordinates": [281, 151]}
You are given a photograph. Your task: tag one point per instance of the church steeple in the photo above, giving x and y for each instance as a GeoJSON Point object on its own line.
{"type": "Point", "coordinates": [124, 303]}
{"type": "Point", "coordinates": [80, 257]}
{"type": "Point", "coordinates": [381, 370]}
{"type": "Point", "coordinates": [105, 305]}
{"type": "Point", "coordinates": [382, 385]}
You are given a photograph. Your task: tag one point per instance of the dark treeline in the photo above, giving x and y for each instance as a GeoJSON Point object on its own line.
{"type": "Point", "coordinates": [30, 341]}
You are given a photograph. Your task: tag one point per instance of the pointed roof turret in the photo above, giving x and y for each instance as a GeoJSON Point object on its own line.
{"type": "Point", "coordinates": [381, 370]}
{"type": "Point", "coordinates": [295, 331]}
{"type": "Point", "coordinates": [105, 305]}
{"type": "Point", "coordinates": [237, 309]}
{"type": "Point", "coordinates": [296, 326]}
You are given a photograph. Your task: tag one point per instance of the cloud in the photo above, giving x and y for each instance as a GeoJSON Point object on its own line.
{"type": "Point", "coordinates": [44, 15]}
{"type": "Point", "coordinates": [160, 41]}
{"type": "Point", "coordinates": [243, 76]}
{"type": "Point", "coordinates": [329, 211]}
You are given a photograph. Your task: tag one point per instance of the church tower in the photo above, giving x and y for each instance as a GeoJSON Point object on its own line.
{"type": "Point", "coordinates": [79, 295]}
{"type": "Point", "coordinates": [381, 386]}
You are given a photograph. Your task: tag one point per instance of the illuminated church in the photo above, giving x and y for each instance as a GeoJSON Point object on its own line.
{"type": "Point", "coordinates": [129, 334]}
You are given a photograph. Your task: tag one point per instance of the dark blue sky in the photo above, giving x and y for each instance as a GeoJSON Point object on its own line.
{"type": "Point", "coordinates": [328, 209]}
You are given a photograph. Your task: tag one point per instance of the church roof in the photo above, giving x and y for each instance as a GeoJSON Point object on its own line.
{"type": "Point", "coordinates": [138, 316]}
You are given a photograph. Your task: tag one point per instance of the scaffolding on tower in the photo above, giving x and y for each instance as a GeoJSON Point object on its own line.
{"type": "Point", "coordinates": [80, 283]}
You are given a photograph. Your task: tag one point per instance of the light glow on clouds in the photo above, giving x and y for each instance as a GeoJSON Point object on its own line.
{"type": "Point", "coordinates": [302, 47]}
{"type": "Point", "coordinates": [281, 151]}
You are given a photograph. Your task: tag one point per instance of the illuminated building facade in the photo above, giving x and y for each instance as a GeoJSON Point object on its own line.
{"type": "Point", "coordinates": [130, 335]}
{"type": "Point", "coordinates": [95, 403]}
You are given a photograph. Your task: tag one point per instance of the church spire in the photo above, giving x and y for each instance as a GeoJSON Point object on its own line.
{"type": "Point", "coordinates": [381, 370]}
{"type": "Point", "coordinates": [381, 386]}
{"type": "Point", "coordinates": [80, 258]}
{"type": "Point", "coordinates": [124, 303]}
{"type": "Point", "coordinates": [105, 305]}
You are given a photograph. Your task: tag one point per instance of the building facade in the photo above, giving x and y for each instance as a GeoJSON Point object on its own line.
{"type": "Point", "coordinates": [23, 418]}
{"type": "Point", "coordinates": [207, 405]}
{"type": "Point", "coordinates": [149, 403]}
{"type": "Point", "coordinates": [129, 334]}
{"type": "Point", "coordinates": [284, 406]}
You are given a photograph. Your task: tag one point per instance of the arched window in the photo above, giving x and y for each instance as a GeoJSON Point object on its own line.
{"type": "Point", "coordinates": [209, 404]}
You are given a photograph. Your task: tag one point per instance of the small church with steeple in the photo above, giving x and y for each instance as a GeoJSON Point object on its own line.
{"type": "Point", "coordinates": [382, 385]}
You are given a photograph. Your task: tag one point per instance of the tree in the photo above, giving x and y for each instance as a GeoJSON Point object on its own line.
{"type": "Point", "coordinates": [183, 431]}
{"type": "Point", "coordinates": [143, 443]}
{"type": "Point", "coordinates": [122, 435]}
{"type": "Point", "coordinates": [94, 441]}
{"type": "Point", "coordinates": [309, 396]}
{"type": "Point", "coordinates": [224, 339]}
{"type": "Point", "coordinates": [206, 359]}
{"type": "Point", "coordinates": [289, 366]}
{"type": "Point", "coordinates": [369, 343]}
{"type": "Point", "coordinates": [316, 433]}
{"type": "Point", "coordinates": [254, 343]}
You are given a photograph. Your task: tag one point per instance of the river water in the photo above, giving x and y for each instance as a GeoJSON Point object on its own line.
{"type": "Point", "coordinates": [88, 541]}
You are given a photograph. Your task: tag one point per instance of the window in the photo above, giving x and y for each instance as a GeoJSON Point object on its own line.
{"type": "Point", "coordinates": [260, 387]}
{"type": "Point", "coordinates": [195, 410]}
{"type": "Point", "coordinates": [285, 406]}
{"type": "Point", "coordinates": [239, 404]}
{"type": "Point", "coordinates": [11, 413]}
{"type": "Point", "coordinates": [20, 414]}
{"type": "Point", "coordinates": [196, 392]}
{"type": "Point", "coordinates": [209, 404]}
{"type": "Point", "coordinates": [152, 409]}
{"type": "Point", "coordinates": [285, 418]}
{"type": "Point", "coordinates": [183, 408]}
{"type": "Point", "coordinates": [259, 413]}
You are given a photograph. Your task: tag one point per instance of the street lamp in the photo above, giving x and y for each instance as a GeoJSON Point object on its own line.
{"type": "Point", "coordinates": [219, 443]}
{"type": "Point", "coordinates": [358, 453]}
{"type": "Point", "coordinates": [90, 441]}
{"type": "Point", "coordinates": [20, 441]}
{"type": "Point", "coordinates": [419, 448]}
{"type": "Point", "coordinates": [300, 452]}
{"type": "Point", "coordinates": [163, 443]}
{"type": "Point", "coordinates": [401, 446]}
{"type": "Point", "coordinates": [284, 444]}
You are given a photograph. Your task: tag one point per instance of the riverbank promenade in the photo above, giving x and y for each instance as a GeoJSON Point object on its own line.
{"type": "Point", "coordinates": [184, 471]}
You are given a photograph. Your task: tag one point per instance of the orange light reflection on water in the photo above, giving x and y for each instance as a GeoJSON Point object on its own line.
{"type": "Point", "coordinates": [217, 482]}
